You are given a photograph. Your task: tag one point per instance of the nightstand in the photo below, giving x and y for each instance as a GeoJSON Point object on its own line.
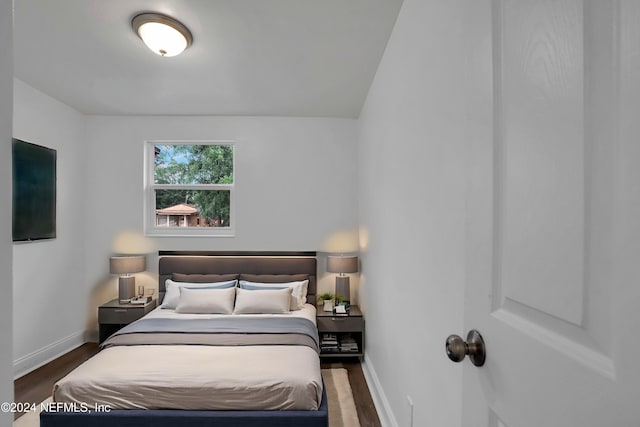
{"type": "Point", "coordinates": [341, 335]}
{"type": "Point", "coordinates": [113, 316]}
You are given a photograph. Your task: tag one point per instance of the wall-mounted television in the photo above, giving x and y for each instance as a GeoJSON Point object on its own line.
{"type": "Point", "coordinates": [34, 192]}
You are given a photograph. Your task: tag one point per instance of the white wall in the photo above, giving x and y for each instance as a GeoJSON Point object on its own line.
{"type": "Point", "coordinates": [295, 185]}
{"type": "Point", "coordinates": [411, 188]}
{"type": "Point", "coordinates": [49, 294]}
{"type": "Point", "coordinates": [6, 113]}
{"type": "Point", "coordinates": [295, 191]}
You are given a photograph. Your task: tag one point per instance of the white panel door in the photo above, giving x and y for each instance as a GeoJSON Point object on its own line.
{"type": "Point", "coordinates": [553, 259]}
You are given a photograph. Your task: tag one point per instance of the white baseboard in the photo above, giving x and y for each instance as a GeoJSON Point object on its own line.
{"type": "Point", "coordinates": [377, 394]}
{"type": "Point", "coordinates": [25, 364]}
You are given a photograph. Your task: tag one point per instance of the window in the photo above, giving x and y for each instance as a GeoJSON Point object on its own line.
{"type": "Point", "coordinates": [189, 188]}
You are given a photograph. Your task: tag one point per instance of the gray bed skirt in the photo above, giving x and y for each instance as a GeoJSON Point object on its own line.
{"type": "Point", "coordinates": [177, 418]}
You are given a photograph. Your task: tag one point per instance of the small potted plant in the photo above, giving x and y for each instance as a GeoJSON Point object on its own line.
{"type": "Point", "coordinates": [326, 299]}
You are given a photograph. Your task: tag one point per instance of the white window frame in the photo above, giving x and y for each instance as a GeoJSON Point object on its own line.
{"type": "Point", "coordinates": [150, 228]}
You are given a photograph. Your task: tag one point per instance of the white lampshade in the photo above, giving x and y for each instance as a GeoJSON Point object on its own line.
{"type": "Point", "coordinates": [163, 35]}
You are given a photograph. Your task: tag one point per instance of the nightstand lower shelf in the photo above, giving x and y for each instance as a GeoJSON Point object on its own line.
{"type": "Point", "coordinates": [341, 334]}
{"type": "Point", "coordinates": [105, 330]}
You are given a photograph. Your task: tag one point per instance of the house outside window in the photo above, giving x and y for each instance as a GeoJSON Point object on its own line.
{"type": "Point", "coordinates": [189, 188]}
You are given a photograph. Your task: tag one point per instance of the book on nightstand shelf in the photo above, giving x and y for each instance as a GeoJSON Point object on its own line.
{"type": "Point", "coordinates": [348, 344]}
{"type": "Point", "coordinates": [329, 343]}
{"type": "Point", "coordinates": [332, 343]}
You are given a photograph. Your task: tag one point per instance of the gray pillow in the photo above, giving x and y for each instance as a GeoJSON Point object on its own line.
{"type": "Point", "coordinates": [273, 278]}
{"type": "Point", "coordinates": [203, 278]}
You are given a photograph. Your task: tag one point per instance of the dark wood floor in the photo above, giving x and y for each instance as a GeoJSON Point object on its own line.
{"type": "Point", "coordinates": [37, 385]}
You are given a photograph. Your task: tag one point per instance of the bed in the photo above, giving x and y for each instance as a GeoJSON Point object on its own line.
{"type": "Point", "coordinates": [183, 366]}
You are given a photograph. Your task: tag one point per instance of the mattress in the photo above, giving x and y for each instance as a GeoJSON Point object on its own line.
{"type": "Point", "coordinates": [228, 373]}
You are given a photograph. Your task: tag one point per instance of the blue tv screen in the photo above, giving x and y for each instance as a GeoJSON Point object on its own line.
{"type": "Point", "coordinates": [34, 192]}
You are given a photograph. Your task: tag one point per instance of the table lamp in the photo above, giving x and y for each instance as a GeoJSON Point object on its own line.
{"type": "Point", "coordinates": [342, 265]}
{"type": "Point", "coordinates": [125, 266]}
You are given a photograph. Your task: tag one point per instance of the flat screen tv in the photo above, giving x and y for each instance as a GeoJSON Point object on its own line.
{"type": "Point", "coordinates": [34, 192]}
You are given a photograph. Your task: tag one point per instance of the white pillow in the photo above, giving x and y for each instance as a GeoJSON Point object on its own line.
{"type": "Point", "coordinates": [206, 301]}
{"type": "Point", "coordinates": [270, 301]}
{"type": "Point", "coordinates": [172, 294]}
{"type": "Point", "coordinates": [298, 290]}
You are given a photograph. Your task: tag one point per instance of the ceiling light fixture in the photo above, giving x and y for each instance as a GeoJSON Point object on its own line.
{"type": "Point", "coordinates": [162, 34]}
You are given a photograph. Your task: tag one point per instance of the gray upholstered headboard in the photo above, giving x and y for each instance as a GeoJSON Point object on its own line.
{"type": "Point", "coordinates": [255, 263]}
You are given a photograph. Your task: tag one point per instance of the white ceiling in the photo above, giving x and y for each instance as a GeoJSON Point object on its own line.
{"type": "Point", "coordinates": [249, 57]}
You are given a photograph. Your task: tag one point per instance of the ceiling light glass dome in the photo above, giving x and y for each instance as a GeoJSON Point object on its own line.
{"type": "Point", "coordinates": [162, 34]}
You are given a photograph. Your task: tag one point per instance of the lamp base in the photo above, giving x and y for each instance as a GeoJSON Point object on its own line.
{"type": "Point", "coordinates": [126, 288]}
{"type": "Point", "coordinates": [342, 287]}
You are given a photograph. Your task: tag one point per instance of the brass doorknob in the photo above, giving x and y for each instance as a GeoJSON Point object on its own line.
{"type": "Point", "coordinates": [457, 349]}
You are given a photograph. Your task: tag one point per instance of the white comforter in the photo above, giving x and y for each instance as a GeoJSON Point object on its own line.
{"type": "Point", "coordinates": [280, 377]}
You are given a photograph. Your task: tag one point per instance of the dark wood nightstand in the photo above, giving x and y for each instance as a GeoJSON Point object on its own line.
{"type": "Point", "coordinates": [113, 316]}
{"type": "Point", "coordinates": [347, 329]}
